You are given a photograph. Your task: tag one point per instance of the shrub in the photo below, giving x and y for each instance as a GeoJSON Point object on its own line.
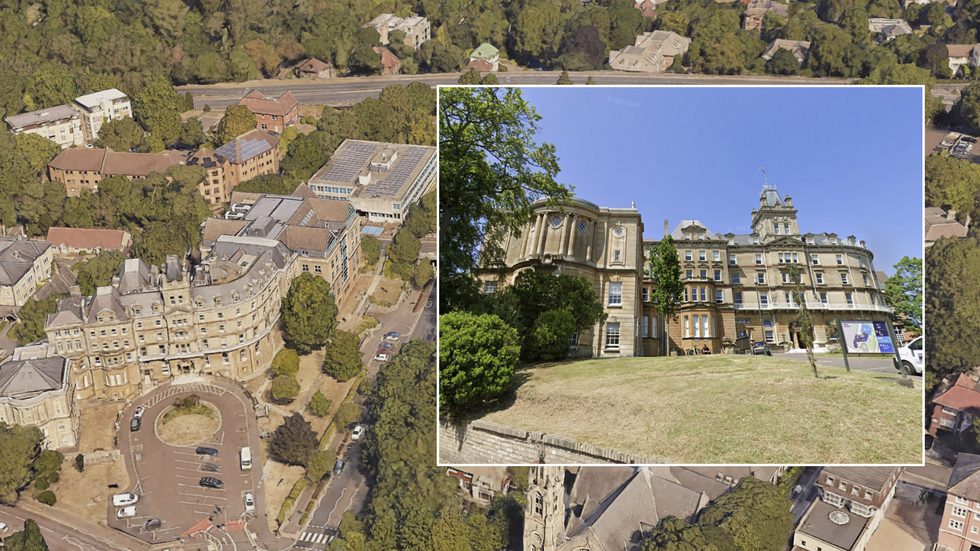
{"type": "Point", "coordinates": [80, 462]}
{"type": "Point", "coordinates": [41, 484]}
{"type": "Point", "coordinates": [285, 388]}
{"type": "Point", "coordinates": [47, 497]}
{"type": "Point", "coordinates": [286, 362]}
{"type": "Point", "coordinates": [365, 387]}
{"type": "Point", "coordinates": [319, 405]}
{"type": "Point", "coordinates": [477, 356]}
{"type": "Point", "coordinates": [53, 477]}
{"type": "Point", "coordinates": [347, 414]}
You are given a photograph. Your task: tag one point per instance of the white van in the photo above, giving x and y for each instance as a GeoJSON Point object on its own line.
{"type": "Point", "coordinates": [124, 500]}
{"type": "Point", "coordinates": [246, 457]}
{"type": "Point", "coordinates": [913, 357]}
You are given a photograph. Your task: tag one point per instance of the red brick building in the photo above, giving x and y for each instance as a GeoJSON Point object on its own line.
{"type": "Point", "coordinates": [954, 403]}
{"type": "Point", "coordinates": [960, 528]}
{"type": "Point", "coordinates": [271, 113]}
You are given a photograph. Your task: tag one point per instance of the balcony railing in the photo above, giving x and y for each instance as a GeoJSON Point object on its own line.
{"type": "Point", "coordinates": [814, 305]}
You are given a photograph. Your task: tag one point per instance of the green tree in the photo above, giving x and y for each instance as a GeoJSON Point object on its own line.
{"type": "Point", "coordinates": [754, 516]}
{"type": "Point", "coordinates": [673, 534]}
{"type": "Point", "coordinates": [342, 357]}
{"type": "Point", "coordinates": [268, 183]}
{"type": "Point", "coordinates": [237, 121]}
{"type": "Point", "coordinates": [309, 312]}
{"type": "Point", "coordinates": [591, 82]}
{"type": "Point", "coordinates": [783, 62]}
{"type": "Point", "coordinates": [477, 356]}
{"type": "Point", "coordinates": [288, 135]}
{"type": "Point", "coordinates": [285, 388]}
{"type": "Point", "coordinates": [564, 79]}
{"type": "Point", "coordinates": [30, 328]}
{"type": "Point", "coordinates": [80, 462]}
{"type": "Point", "coordinates": [348, 414]}
{"type": "Point", "coordinates": [803, 316]}
{"type": "Point", "coordinates": [491, 79]}
{"type": "Point", "coordinates": [319, 405]}
{"type": "Point", "coordinates": [286, 362]}
{"type": "Point", "coordinates": [365, 61]}
{"type": "Point", "coordinates": [158, 97]}
{"type": "Point", "coordinates": [903, 291]}
{"type": "Point", "coordinates": [37, 150]}
{"type": "Point", "coordinates": [421, 219]}
{"type": "Point", "coordinates": [293, 441]}
{"type": "Point", "coordinates": [470, 77]}
{"type": "Point", "coordinates": [319, 464]}
{"type": "Point", "coordinates": [665, 271]}
{"type": "Point", "coordinates": [549, 336]}
{"type": "Point", "coordinates": [18, 448]}
{"type": "Point", "coordinates": [98, 271]}
{"type": "Point", "coordinates": [29, 539]}
{"type": "Point", "coordinates": [404, 248]}
{"type": "Point", "coordinates": [951, 183]}
{"type": "Point", "coordinates": [966, 111]}
{"type": "Point", "coordinates": [491, 171]}
{"type": "Point", "coordinates": [120, 134]}
{"type": "Point", "coordinates": [192, 133]}
{"type": "Point", "coordinates": [370, 250]}
{"type": "Point", "coordinates": [423, 273]}
{"type": "Point", "coordinates": [304, 157]}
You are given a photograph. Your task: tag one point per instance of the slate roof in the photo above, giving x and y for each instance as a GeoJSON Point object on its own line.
{"type": "Point", "coordinates": [939, 224]}
{"type": "Point", "coordinates": [17, 257]}
{"type": "Point", "coordinates": [257, 102]}
{"type": "Point", "coordinates": [963, 481]}
{"type": "Point", "coordinates": [678, 233]}
{"type": "Point", "coordinates": [868, 477]}
{"type": "Point", "coordinates": [206, 158]}
{"type": "Point", "coordinates": [134, 275]}
{"type": "Point", "coordinates": [248, 145]}
{"type": "Point", "coordinates": [61, 281]}
{"type": "Point", "coordinates": [85, 238]}
{"type": "Point", "coordinates": [20, 377]}
{"type": "Point", "coordinates": [110, 163]}
{"type": "Point", "coordinates": [798, 48]}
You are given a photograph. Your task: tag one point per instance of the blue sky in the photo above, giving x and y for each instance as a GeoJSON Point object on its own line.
{"type": "Point", "coordinates": [850, 157]}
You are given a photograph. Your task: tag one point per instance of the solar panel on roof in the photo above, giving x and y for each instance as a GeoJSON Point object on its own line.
{"type": "Point", "coordinates": [346, 165]}
{"type": "Point", "coordinates": [396, 178]}
{"type": "Point", "coordinates": [248, 148]}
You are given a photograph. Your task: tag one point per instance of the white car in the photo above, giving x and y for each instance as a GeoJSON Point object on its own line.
{"type": "Point", "coordinates": [249, 503]}
{"type": "Point", "coordinates": [127, 512]}
{"type": "Point", "coordinates": [3, 527]}
{"type": "Point", "coordinates": [138, 414]}
{"type": "Point", "coordinates": [913, 357]}
{"type": "Point", "coordinates": [381, 357]}
{"type": "Point", "coordinates": [357, 433]}
{"type": "Point", "coordinates": [124, 500]}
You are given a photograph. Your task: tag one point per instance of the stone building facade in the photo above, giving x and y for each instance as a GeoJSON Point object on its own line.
{"type": "Point", "coordinates": [36, 390]}
{"type": "Point", "coordinates": [603, 245]}
{"type": "Point", "coordinates": [737, 288]}
{"type": "Point", "coordinates": [24, 265]}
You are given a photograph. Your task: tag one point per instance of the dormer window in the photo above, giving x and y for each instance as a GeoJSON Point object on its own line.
{"type": "Point", "coordinates": [199, 303]}
{"type": "Point", "coordinates": [217, 299]}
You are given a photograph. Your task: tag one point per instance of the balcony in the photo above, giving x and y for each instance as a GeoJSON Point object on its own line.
{"type": "Point", "coordinates": [813, 305]}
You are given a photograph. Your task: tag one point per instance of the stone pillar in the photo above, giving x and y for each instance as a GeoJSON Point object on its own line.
{"type": "Point", "coordinates": [561, 238]}
{"type": "Point", "coordinates": [571, 238]}
{"type": "Point", "coordinates": [523, 251]}
{"type": "Point", "coordinates": [589, 231]}
{"type": "Point", "coordinates": [544, 234]}
{"type": "Point", "coordinates": [529, 245]}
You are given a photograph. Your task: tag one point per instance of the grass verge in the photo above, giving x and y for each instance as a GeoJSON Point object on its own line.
{"type": "Point", "coordinates": [179, 411]}
{"type": "Point", "coordinates": [722, 409]}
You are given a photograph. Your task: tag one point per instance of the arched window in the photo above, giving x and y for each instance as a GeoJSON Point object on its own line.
{"type": "Point", "coordinates": [687, 327]}
{"type": "Point", "coordinates": [538, 504]}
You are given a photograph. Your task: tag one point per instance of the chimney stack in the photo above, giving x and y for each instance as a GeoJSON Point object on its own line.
{"type": "Point", "coordinates": [951, 215]}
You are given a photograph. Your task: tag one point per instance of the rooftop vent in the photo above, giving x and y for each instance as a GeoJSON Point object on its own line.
{"type": "Point", "coordinates": [839, 517]}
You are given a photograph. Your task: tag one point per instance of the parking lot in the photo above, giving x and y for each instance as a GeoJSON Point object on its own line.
{"type": "Point", "coordinates": [168, 477]}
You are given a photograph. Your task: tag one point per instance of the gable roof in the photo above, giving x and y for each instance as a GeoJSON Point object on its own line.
{"type": "Point", "coordinates": [313, 65]}
{"type": "Point", "coordinates": [248, 145]}
{"type": "Point", "coordinates": [959, 392]}
{"type": "Point", "coordinates": [484, 51]}
{"type": "Point", "coordinates": [939, 223]}
{"type": "Point", "coordinates": [79, 158]}
{"type": "Point", "coordinates": [868, 477]}
{"type": "Point", "coordinates": [963, 481]}
{"type": "Point", "coordinates": [257, 102]}
{"type": "Point", "coordinates": [17, 257]}
{"type": "Point", "coordinates": [216, 227]}
{"type": "Point", "coordinates": [480, 65]}
{"type": "Point", "coordinates": [960, 50]}
{"type": "Point", "coordinates": [85, 238]}
{"type": "Point", "coordinates": [31, 376]}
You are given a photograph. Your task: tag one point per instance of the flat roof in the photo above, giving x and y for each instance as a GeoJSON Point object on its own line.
{"type": "Point", "coordinates": [818, 523]}
{"type": "Point", "coordinates": [91, 101]}
{"type": "Point", "coordinates": [351, 166]}
{"type": "Point", "coordinates": [50, 114]}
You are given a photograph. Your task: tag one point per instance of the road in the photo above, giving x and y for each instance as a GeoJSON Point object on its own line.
{"type": "Point", "coordinates": [348, 91]}
{"type": "Point", "coordinates": [61, 536]}
{"type": "Point", "coordinates": [350, 490]}
{"type": "Point", "coordinates": [878, 365]}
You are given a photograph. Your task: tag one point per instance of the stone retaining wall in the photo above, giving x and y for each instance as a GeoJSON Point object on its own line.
{"type": "Point", "coordinates": [482, 442]}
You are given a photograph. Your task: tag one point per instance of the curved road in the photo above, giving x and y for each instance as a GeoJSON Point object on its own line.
{"type": "Point", "coordinates": [350, 90]}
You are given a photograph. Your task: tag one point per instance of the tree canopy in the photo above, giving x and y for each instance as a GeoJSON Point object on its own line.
{"type": "Point", "coordinates": [98, 271]}
{"type": "Point", "coordinates": [309, 312]}
{"type": "Point", "coordinates": [237, 121]}
{"type": "Point", "coordinates": [951, 306]}
{"type": "Point", "coordinates": [293, 441]}
{"type": "Point", "coordinates": [342, 357]}
{"type": "Point", "coordinates": [19, 447]}
{"type": "Point", "coordinates": [903, 291]}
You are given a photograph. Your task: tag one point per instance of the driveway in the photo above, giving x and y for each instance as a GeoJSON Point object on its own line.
{"type": "Point", "coordinates": [878, 365]}
{"type": "Point", "coordinates": [167, 476]}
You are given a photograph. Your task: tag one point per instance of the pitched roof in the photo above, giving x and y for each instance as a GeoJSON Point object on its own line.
{"type": "Point", "coordinates": [215, 227]}
{"type": "Point", "coordinates": [257, 102]}
{"type": "Point", "coordinates": [963, 481]}
{"type": "Point", "coordinates": [61, 281]}
{"type": "Point", "coordinates": [304, 190]}
{"type": "Point", "coordinates": [868, 477]}
{"type": "Point", "coordinates": [484, 51]}
{"type": "Point", "coordinates": [80, 158]}
{"type": "Point", "coordinates": [313, 65]}
{"type": "Point", "coordinates": [112, 163]}
{"type": "Point", "coordinates": [480, 65]}
{"type": "Point", "coordinates": [960, 50]}
{"type": "Point", "coordinates": [17, 257]}
{"type": "Point", "coordinates": [206, 158]}
{"type": "Point", "coordinates": [960, 393]}
{"type": "Point", "coordinates": [85, 238]}
{"type": "Point", "coordinates": [939, 223]}
{"type": "Point", "coordinates": [389, 61]}
{"type": "Point", "coordinates": [248, 145]}
{"type": "Point", "coordinates": [798, 48]}
{"type": "Point", "coordinates": [31, 376]}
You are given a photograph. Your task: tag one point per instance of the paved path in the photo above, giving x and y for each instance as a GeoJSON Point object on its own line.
{"type": "Point", "coordinates": [878, 365]}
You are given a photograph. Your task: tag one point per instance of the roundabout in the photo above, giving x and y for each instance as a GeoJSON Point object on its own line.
{"type": "Point", "coordinates": [163, 460]}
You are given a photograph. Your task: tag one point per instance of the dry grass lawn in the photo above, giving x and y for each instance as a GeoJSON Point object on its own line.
{"type": "Point", "coordinates": [388, 290]}
{"type": "Point", "coordinates": [188, 430]}
{"type": "Point", "coordinates": [276, 491]}
{"type": "Point", "coordinates": [96, 430]}
{"type": "Point", "coordinates": [722, 409]}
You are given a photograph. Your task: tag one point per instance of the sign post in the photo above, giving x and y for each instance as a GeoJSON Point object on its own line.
{"type": "Point", "coordinates": [843, 345]}
{"type": "Point", "coordinates": [861, 337]}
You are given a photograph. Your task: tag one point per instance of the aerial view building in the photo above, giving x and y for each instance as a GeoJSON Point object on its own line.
{"type": "Point", "coordinates": [24, 265]}
{"type": "Point", "coordinates": [60, 124]}
{"type": "Point", "coordinates": [272, 113]}
{"type": "Point", "coordinates": [36, 389]}
{"type": "Point", "coordinates": [416, 28]}
{"type": "Point", "coordinates": [98, 107]}
{"type": "Point", "coordinates": [381, 180]}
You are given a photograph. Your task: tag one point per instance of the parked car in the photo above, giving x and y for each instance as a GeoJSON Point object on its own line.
{"type": "Point", "coordinates": [211, 482]}
{"type": "Point", "coordinates": [357, 433]}
{"type": "Point", "coordinates": [138, 414]}
{"type": "Point", "coordinates": [386, 345]}
{"type": "Point", "coordinates": [265, 435]}
{"type": "Point", "coordinates": [152, 524]}
{"type": "Point", "coordinates": [134, 425]}
{"type": "Point", "coordinates": [249, 503]}
{"type": "Point", "coordinates": [3, 528]}
{"type": "Point", "coordinates": [201, 450]}
{"type": "Point", "coordinates": [381, 357]}
{"type": "Point", "coordinates": [913, 357]}
{"type": "Point", "coordinates": [392, 336]}
{"type": "Point", "coordinates": [760, 348]}
{"type": "Point", "coordinates": [210, 467]}
{"type": "Point", "coordinates": [127, 512]}
{"type": "Point", "coordinates": [338, 467]}
{"type": "Point", "coordinates": [124, 500]}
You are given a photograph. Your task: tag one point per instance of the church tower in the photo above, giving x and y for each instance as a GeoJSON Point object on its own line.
{"type": "Point", "coordinates": [544, 515]}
